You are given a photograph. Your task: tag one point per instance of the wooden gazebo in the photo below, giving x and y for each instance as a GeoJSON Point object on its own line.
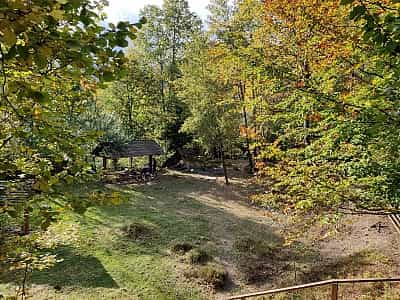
{"type": "Point", "coordinates": [130, 150]}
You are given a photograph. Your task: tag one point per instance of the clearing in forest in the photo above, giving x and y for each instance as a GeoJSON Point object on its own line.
{"type": "Point", "coordinates": [188, 236]}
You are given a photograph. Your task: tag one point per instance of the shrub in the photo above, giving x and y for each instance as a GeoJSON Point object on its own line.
{"type": "Point", "coordinates": [214, 275]}
{"type": "Point", "coordinates": [257, 248]}
{"type": "Point", "coordinates": [197, 256]}
{"type": "Point", "coordinates": [181, 247]}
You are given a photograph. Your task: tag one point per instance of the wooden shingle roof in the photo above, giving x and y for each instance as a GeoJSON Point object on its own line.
{"type": "Point", "coordinates": [14, 192]}
{"type": "Point", "coordinates": [132, 149]}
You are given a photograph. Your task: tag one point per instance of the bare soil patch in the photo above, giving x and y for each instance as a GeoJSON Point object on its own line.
{"type": "Point", "coordinates": [360, 247]}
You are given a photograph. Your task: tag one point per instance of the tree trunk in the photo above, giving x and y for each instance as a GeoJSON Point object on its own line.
{"type": "Point", "coordinates": [306, 127]}
{"type": "Point", "coordinates": [104, 163]}
{"type": "Point", "coordinates": [162, 83]}
{"type": "Point", "coordinates": [25, 225]}
{"type": "Point", "coordinates": [130, 108]}
{"type": "Point", "coordinates": [249, 156]}
{"type": "Point", "coordinates": [224, 166]}
{"type": "Point", "coordinates": [242, 92]}
{"type": "Point", "coordinates": [163, 106]}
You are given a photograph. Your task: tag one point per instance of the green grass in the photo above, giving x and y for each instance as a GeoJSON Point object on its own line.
{"type": "Point", "coordinates": [106, 264]}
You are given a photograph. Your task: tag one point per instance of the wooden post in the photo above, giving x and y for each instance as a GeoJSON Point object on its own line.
{"type": "Point", "coordinates": [130, 162]}
{"type": "Point", "coordinates": [26, 223]}
{"type": "Point", "coordinates": [224, 167]}
{"type": "Point", "coordinates": [115, 164]}
{"type": "Point", "coordinates": [104, 163]}
{"type": "Point", "coordinates": [335, 289]}
{"type": "Point", "coordinates": [154, 166]}
{"type": "Point", "coordinates": [151, 163]}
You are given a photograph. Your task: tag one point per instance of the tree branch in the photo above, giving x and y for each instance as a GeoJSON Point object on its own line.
{"type": "Point", "coordinates": [5, 141]}
{"type": "Point", "coordinates": [3, 72]}
{"type": "Point", "coordinates": [3, 92]}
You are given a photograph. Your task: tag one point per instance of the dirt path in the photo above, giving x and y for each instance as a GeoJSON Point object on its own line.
{"type": "Point", "coordinates": [357, 249]}
{"type": "Point", "coordinates": [233, 198]}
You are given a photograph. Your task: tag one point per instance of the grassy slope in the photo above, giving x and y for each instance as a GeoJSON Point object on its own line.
{"type": "Point", "coordinates": [103, 264]}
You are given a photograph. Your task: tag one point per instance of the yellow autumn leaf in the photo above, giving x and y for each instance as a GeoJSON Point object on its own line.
{"type": "Point", "coordinates": [9, 37]}
{"type": "Point", "coordinates": [37, 112]}
{"type": "Point", "coordinates": [57, 14]}
{"type": "Point", "coordinates": [46, 51]}
{"type": "Point", "coordinates": [42, 186]}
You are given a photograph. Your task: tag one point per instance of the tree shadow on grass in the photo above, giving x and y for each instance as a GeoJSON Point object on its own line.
{"type": "Point", "coordinates": [349, 265]}
{"type": "Point", "coordinates": [173, 209]}
{"type": "Point", "coordinates": [177, 214]}
{"type": "Point", "coordinates": [75, 270]}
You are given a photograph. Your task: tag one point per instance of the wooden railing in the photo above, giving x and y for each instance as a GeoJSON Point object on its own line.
{"type": "Point", "coordinates": [334, 283]}
{"type": "Point", "coordinates": [395, 219]}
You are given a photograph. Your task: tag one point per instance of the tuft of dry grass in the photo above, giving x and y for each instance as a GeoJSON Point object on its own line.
{"type": "Point", "coordinates": [181, 247]}
{"type": "Point", "coordinates": [137, 231]}
{"type": "Point", "coordinates": [198, 256]}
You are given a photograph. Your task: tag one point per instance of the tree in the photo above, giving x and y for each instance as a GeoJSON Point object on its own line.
{"type": "Point", "coordinates": [213, 120]}
{"type": "Point", "coordinates": [379, 21]}
{"type": "Point", "coordinates": [331, 113]}
{"type": "Point", "coordinates": [161, 45]}
{"type": "Point", "coordinates": [219, 20]}
{"type": "Point", "coordinates": [136, 100]}
{"type": "Point", "coordinates": [54, 55]}
{"type": "Point", "coordinates": [233, 28]}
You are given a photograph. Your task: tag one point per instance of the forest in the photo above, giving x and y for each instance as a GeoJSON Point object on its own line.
{"type": "Point", "coordinates": [278, 128]}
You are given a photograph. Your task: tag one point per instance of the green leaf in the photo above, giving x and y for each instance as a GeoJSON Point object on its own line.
{"type": "Point", "coordinates": [391, 47]}
{"type": "Point", "coordinates": [69, 179]}
{"type": "Point", "coordinates": [12, 213]}
{"type": "Point", "coordinates": [108, 76]}
{"type": "Point", "coordinates": [23, 51]}
{"type": "Point", "coordinates": [42, 185]}
{"type": "Point", "coordinates": [40, 97]}
{"type": "Point", "coordinates": [40, 60]}
{"type": "Point", "coordinates": [122, 25]}
{"type": "Point", "coordinates": [357, 12]}
{"type": "Point", "coordinates": [346, 2]}
{"type": "Point", "coordinates": [123, 72]}
{"type": "Point", "coordinates": [122, 42]}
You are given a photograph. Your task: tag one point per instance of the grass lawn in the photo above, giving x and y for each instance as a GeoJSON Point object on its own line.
{"type": "Point", "coordinates": [106, 264]}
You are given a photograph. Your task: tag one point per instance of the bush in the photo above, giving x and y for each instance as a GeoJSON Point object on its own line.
{"type": "Point", "coordinates": [181, 247]}
{"type": "Point", "coordinates": [196, 256]}
{"type": "Point", "coordinates": [251, 247]}
{"type": "Point", "coordinates": [214, 275]}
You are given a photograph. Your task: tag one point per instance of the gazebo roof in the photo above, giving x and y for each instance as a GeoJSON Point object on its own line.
{"type": "Point", "coordinates": [132, 149]}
